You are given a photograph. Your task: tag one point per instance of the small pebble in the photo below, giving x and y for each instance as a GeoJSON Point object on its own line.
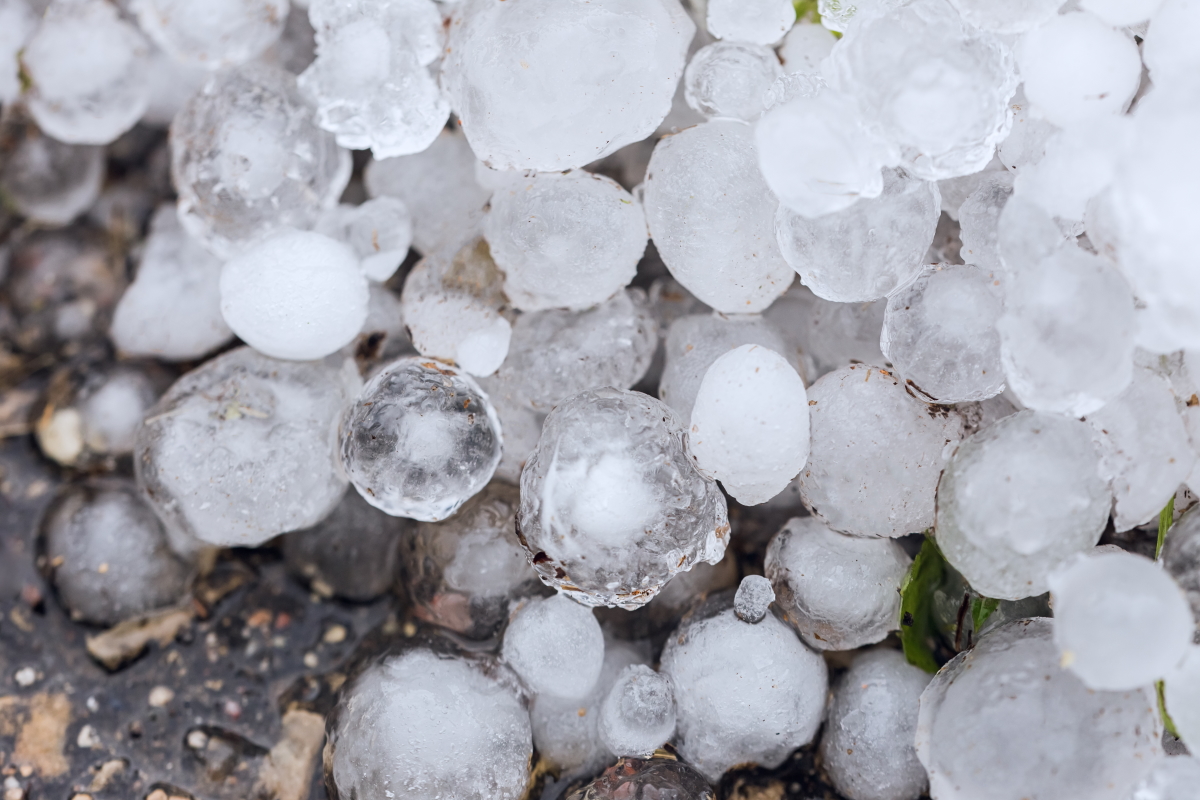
{"type": "Point", "coordinates": [753, 599]}
{"type": "Point", "coordinates": [26, 676]}
{"type": "Point", "coordinates": [335, 634]}
{"type": "Point", "coordinates": [88, 738]}
{"type": "Point", "coordinates": [160, 696]}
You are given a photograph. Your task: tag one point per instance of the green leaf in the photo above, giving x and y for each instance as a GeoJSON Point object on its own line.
{"type": "Point", "coordinates": [807, 9]}
{"type": "Point", "coordinates": [1160, 688]}
{"type": "Point", "coordinates": [982, 608]}
{"type": "Point", "coordinates": [918, 634]}
{"type": "Point", "coordinates": [1165, 519]}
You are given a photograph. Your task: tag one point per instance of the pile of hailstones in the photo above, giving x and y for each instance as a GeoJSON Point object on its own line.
{"type": "Point", "coordinates": [991, 210]}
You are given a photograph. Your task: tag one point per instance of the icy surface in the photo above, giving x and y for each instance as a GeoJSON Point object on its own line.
{"type": "Point", "coordinates": [555, 645]}
{"type": "Point", "coordinates": [758, 21]}
{"type": "Point", "coordinates": [379, 232]}
{"type": "Point", "coordinates": [828, 335]}
{"type": "Point", "coordinates": [214, 34]}
{"type": "Point", "coordinates": [805, 47]}
{"type": "Point", "coordinates": [638, 715]}
{"type": "Point", "coordinates": [1182, 694]}
{"type": "Point", "coordinates": [753, 599]}
{"type": "Point", "coordinates": [1173, 778]}
{"type": "Point", "coordinates": [731, 79]}
{"type": "Point", "coordinates": [979, 218]}
{"type": "Point", "coordinates": [51, 182]}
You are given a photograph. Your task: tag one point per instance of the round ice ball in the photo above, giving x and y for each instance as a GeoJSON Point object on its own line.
{"type": "Point", "coordinates": [555, 645]}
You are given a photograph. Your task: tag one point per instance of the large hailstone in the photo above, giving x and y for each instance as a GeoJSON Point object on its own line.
{"type": "Point", "coordinates": [1005, 720]}
{"type": "Point", "coordinates": [709, 212]}
{"type": "Point", "coordinates": [589, 77]}
{"type": "Point", "coordinates": [243, 448]}
{"type": "Point", "coordinates": [839, 592]}
{"type": "Point", "coordinates": [564, 241]}
{"type": "Point", "coordinates": [248, 160]}
{"type": "Point", "coordinates": [749, 425]}
{"type": "Point", "coordinates": [429, 727]}
{"type": "Point", "coordinates": [420, 440]}
{"type": "Point", "coordinates": [1018, 499]}
{"type": "Point", "coordinates": [611, 506]}
{"type": "Point", "coordinates": [1120, 621]}
{"type": "Point", "coordinates": [867, 250]}
{"type": "Point", "coordinates": [744, 692]}
{"type": "Point", "coordinates": [214, 33]}
{"type": "Point", "coordinates": [555, 645]}
{"type": "Point", "coordinates": [876, 453]}
{"type": "Point", "coordinates": [730, 79]}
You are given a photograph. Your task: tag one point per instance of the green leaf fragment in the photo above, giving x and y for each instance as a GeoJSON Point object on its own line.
{"type": "Point", "coordinates": [1160, 688]}
{"type": "Point", "coordinates": [1166, 518]}
{"type": "Point", "coordinates": [807, 9]}
{"type": "Point", "coordinates": [981, 609]}
{"type": "Point", "coordinates": [918, 633]}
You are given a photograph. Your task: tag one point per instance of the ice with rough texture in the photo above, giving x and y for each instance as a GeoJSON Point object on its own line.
{"type": "Point", "coordinates": [805, 47]}
{"type": "Point", "coordinates": [752, 601]}
{"type": "Point", "coordinates": [829, 335]}
{"type": "Point", "coordinates": [611, 506]}
{"type": "Point", "coordinates": [243, 448]}
{"type": "Point", "coordinates": [632, 779]}
{"type": "Point", "coordinates": [462, 573]}
{"type": "Point", "coordinates": [638, 715]}
{"type": "Point", "coordinates": [867, 747]}
{"type": "Point", "coordinates": [107, 554]}
{"type": "Point", "coordinates": [1174, 778]}
{"type": "Point", "coordinates": [1004, 720]}
{"type": "Point", "coordinates": [215, 33]}
{"type": "Point", "coordinates": [555, 645]}
{"type": "Point", "coordinates": [48, 181]}
{"type": "Point", "coordinates": [730, 79]}
{"type": "Point", "coordinates": [709, 212]}
{"type": "Point", "coordinates": [87, 75]}
{"type": "Point", "coordinates": [591, 78]}
{"type": "Point", "coordinates": [17, 22]}
{"type": "Point", "coordinates": [749, 424]}
{"type": "Point", "coordinates": [1182, 694]}
{"type": "Point", "coordinates": [298, 295]}
{"type": "Point", "coordinates": [564, 241]}
{"type": "Point", "coordinates": [371, 81]}
{"type": "Point", "coordinates": [424, 726]}
{"type": "Point", "coordinates": [1018, 499]}
{"type": "Point", "coordinates": [172, 310]}
{"type": "Point", "coordinates": [876, 453]}
{"type": "Point", "coordinates": [1181, 556]}
{"type": "Point", "coordinates": [757, 21]}
{"type": "Point", "coordinates": [379, 231]}
{"type": "Point", "coordinates": [839, 592]}
{"type": "Point", "coordinates": [743, 693]}
{"type": "Point", "coordinates": [420, 440]}
{"type": "Point", "coordinates": [940, 333]}
{"type": "Point", "coordinates": [1014, 16]}
{"type": "Point", "coordinates": [248, 160]}
{"type": "Point", "coordinates": [866, 251]}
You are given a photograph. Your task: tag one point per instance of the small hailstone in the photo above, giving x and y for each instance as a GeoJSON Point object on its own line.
{"type": "Point", "coordinates": [108, 554]}
{"type": "Point", "coordinates": [1181, 557]}
{"type": "Point", "coordinates": [420, 440]}
{"type": "Point", "coordinates": [1016, 16]}
{"type": "Point", "coordinates": [564, 241]}
{"type": "Point", "coordinates": [51, 182]}
{"type": "Point", "coordinates": [111, 404]}
{"type": "Point", "coordinates": [1181, 691]}
{"type": "Point", "coordinates": [749, 424]}
{"type": "Point", "coordinates": [1174, 778]}
{"type": "Point", "coordinates": [380, 231]}
{"type": "Point", "coordinates": [983, 729]}
{"type": "Point", "coordinates": [242, 449]}
{"type": "Point", "coordinates": [17, 22]}
{"type": "Point", "coordinates": [876, 453]}
{"type": "Point", "coordinates": [730, 79]}
{"type": "Point", "coordinates": [757, 21]}
{"type": "Point", "coordinates": [370, 81]}
{"type": "Point", "coordinates": [743, 693]}
{"type": "Point", "coordinates": [591, 77]}
{"type": "Point", "coordinates": [298, 295]}
{"type": "Point", "coordinates": [611, 506]}
{"type": "Point", "coordinates": [955, 191]}
{"type": "Point", "coordinates": [172, 310]}
{"type": "Point", "coordinates": [839, 592]}
{"type": "Point", "coordinates": [1120, 621]}
{"type": "Point", "coordinates": [555, 645]}
{"type": "Point", "coordinates": [829, 335]}
{"type": "Point", "coordinates": [805, 47]}
{"type": "Point", "coordinates": [215, 33]}
{"type": "Point", "coordinates": [425, 726]}
{"type": "Point", "coordinates": [940, 333]}
{"type": "Point", "coordinates": [709, 213]}
{"type": "Point", "coordinates": [521, 427]}
{"type": "Point", "coordinates": [866, 251]}
{"type": "Point", "coordinates": [1018, 499]}
{"type": "Point", "coordinates": [248, 160]}
{"type": "Point", "coordinates": [979, 221]}
{"type": "Point", "coordinates": [1169, 50]}
{"type": "Point", "coordinates": [658, 777]}
{"type": "Point", "coordinates": [638, 715]}
{"type": "Point", "coordinates": [86, 72]}
{"type": "Point", "coordinates": [867, 747]}
{"type": "Point", "coordinates": [753, 599]}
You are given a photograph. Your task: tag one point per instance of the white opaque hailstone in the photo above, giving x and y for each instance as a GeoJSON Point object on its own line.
{"type": "Point", "coordinates": [555, 645]}
{"type": "Point", "coordinates": [248, 160]}
{"type": "Point", "coordinates": [932, 86]}
{"type": "Point", "coordinates": [816, 155]}
{"type": "Point", "coordinates": [730, 79]}
{"type": "Point", "coordinates": [638, 715]}
{"type": "Point", "coordinates": [1182, 694]}
{"type": "Point", "coordinates": [867, 747]}
{"type": "Point", "coordinates": [1169, 50]}
{"type": "Point", "coordinates": [1019, 498]}
{"type": "Point", "coordinates": [1174, 778]}
{"type": "Point", "coordinates": [749, 424]}
{"type": "Point", "coordinates": [940, 334]}
{"type": "Point", "coordinates": [1014, 16]}
{"type": "Point", "coordinates": [425, 726]}
{"type": "Point", "coordinates": [51, 182]}
{"type": "Point", "coordinates": [564, 241]}
{"type": "Point", "coordinates": [1005, 720]}
{"type": "Point", "coordinates": [1120, 621]}
{"type": "Point", "coordinates": [172, 310]}
{"type": "Point", "coordinates": [299, 295]}
{"type": "Point", "coordinates": [87, 75]}
{"type": "Point", "coordinates": [709, 213]}
{"type": "Point", "coordinates": [1122, 13]}
{"type": "Point", "coordinates": [805, 47]}
{"type": "Point", "coordinates": [757, 21]}
{"type": "Point", "coordinates": [213, 33]}
{"type": "Point", "coordinates": [1077, 67]}
{"type": "Point", "coordinates": [17, 23]}
{"type": "Point", "coordinates": [590, 77]}
{"type": "Point", "coordinates": [370, 81]}
{"type": "Point", "coordinates": [866, 251]}
{"type": "Point", "coordinates": [876, 453]}
{"type": "Point", "coordinates": [828, 335]}
{"type": "Point", "coordinates": [1078, 164]}
{"type": "Point", "coordinates": [752, 601]}
{"type": "Point", "coordinates": [839, 592]}
{"type": "Point", "coordinates": [743, 693]}
{"type": "Point", "coordinates": [380, 231]}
